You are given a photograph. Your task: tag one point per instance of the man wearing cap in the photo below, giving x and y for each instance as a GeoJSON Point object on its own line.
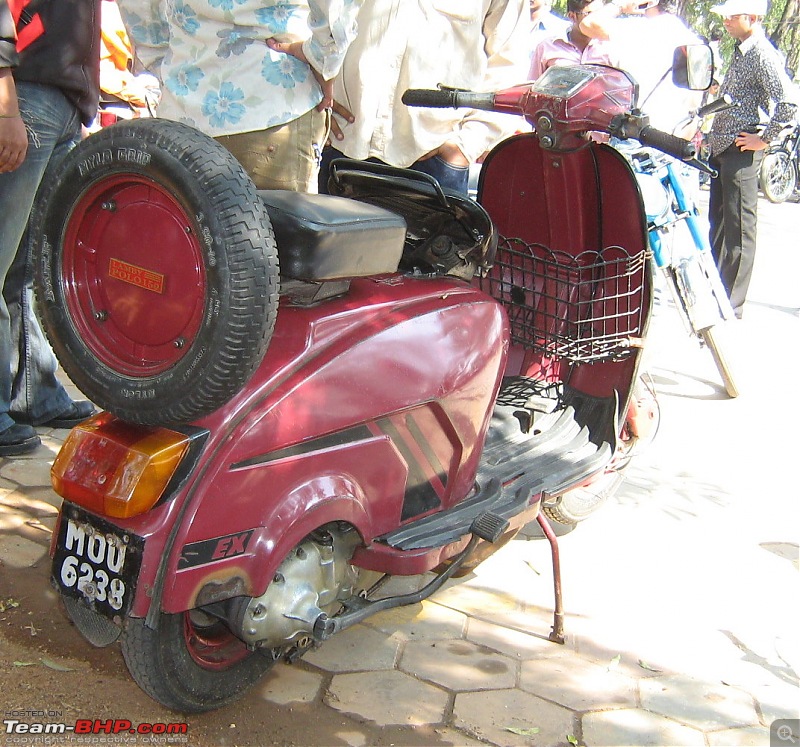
{"type": "Point", "coordinates": [756, 81]}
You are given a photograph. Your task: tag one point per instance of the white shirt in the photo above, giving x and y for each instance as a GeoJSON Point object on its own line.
{"type": "Point", "coordinates": [645, 47]}
{"type": "Point", "coordinates": [217, 72]}
{"type": "Point", "coordinates": [549, 24]}
{"type": "Point", "coordinates": [473, 44]}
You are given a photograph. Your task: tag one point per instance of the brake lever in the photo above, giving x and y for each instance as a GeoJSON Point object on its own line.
{"type": "Point", "coordinates": [702, 166]}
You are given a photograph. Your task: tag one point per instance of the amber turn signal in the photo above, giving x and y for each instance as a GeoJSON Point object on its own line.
{"type": "Point", "coordinates": [115, 468]}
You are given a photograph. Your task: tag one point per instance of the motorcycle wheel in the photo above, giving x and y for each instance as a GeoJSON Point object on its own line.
{"type": "Point", "coordinates": [156, 271]}
{"type": "Point", "coordinates": [709, 336]}
{"type": "Point", "coordinates": [631, 443]}
{"type": "Point", "coordinates": [778, 176]}
{"type": "Point", "coordinates": [191, 662]}
{"type": "Point", "coordinates": [579, 503]}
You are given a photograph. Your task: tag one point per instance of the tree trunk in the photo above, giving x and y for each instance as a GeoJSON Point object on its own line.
{"type": "Point", "coordinates": [786, 34]}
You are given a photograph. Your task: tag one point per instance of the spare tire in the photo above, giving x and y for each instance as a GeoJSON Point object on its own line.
{"type": "Point", "coordinates": [156, 271]}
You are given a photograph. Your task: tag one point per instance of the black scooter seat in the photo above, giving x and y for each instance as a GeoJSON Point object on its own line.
{"type": "Point", "coordinates": [322, 237]}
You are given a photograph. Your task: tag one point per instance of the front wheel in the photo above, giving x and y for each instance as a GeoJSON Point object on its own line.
{"type": "Point", "coordinates": [778, 176]}
{"type": "Point", "coordinates": [191, 662]}
{"type": "Point", "coordinates": [709, 336]}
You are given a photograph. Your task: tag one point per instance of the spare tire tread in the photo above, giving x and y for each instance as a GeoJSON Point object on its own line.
{"type": "Point", "coordinates": [241, 266]}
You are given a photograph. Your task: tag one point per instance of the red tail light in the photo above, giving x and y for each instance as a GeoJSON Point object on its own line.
{"type": "Point", "coordinates": [115, 468]}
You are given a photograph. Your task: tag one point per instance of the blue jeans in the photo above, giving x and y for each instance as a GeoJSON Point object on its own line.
{"type": "Point", "coordinates": [448, 176]}
{"type": "Point", "coordinates": [29, 389]}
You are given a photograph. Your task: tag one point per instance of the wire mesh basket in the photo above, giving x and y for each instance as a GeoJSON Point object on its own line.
{"type": "Point", "coordinates": [583, 308]}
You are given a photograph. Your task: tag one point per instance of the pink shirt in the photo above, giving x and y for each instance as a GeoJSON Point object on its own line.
{"type": "Point", "coordinates": [557, 49]}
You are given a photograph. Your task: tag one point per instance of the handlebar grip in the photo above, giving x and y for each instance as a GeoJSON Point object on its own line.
{"type": "Point", "coordinates": [718, 105]}
{"type": "Point", "coordinates": [448, 97]}
{"type": "Point", "coordinates": [428, 97]}
{"type": "Point", "coordinates": [670, 144]}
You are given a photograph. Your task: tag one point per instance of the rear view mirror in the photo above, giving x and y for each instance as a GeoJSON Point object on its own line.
{"type": "Point", "coordinates": [693, 67]}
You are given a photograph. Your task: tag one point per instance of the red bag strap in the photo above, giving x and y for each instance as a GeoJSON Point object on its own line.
{"type": "Point", "coordinates": [29, 27]}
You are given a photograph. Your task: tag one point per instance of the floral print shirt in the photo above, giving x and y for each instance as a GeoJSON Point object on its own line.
{"type": "Point", "coordinates": [756, 81]}
{"type": "Point", "coordinates": [217, 73]}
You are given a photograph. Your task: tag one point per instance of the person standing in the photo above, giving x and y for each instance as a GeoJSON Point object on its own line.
{"type": "Point", "coordinates": [117, 79]}
{"type": "Point", "coordinates": [544, 22]}
{"type": "Point", "coordinates": [49, 87]}
{"type": "Point", "coordinates": [480, 45]}
{"type": "Point", "coordinates": [644, 42]}
{"type": "Point", "coordinates": [757, 82]}
{"type": "Point", "coordinates": [572, 46]}
{"type": "Point", "coordinates": [224, 70]}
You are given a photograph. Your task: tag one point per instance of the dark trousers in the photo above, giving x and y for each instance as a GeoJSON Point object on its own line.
{"type": "Point", "coordinates": [733, 214]}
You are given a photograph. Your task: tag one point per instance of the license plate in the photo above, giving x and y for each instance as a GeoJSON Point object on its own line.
{"type": "Point", "coordinates": [96, 561]}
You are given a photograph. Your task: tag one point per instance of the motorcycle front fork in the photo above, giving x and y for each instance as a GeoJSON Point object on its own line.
{"type": "Point", "coordinates": [694, 282]}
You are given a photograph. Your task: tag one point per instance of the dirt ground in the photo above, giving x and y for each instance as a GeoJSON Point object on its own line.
{"type": "Point", "coordinates": [50, 674]}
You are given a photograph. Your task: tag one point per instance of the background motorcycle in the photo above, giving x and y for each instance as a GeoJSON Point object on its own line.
{"type": "Point", "coordinates": [403, 401]}
{"type": "Point", "coordinates": [680, 244]}
{"type": "Point", "coordinates": [779, 176]}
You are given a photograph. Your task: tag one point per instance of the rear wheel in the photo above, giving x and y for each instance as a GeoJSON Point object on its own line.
{"type": "Point", "coordinates": [191, 662]}
{"type": "Point", "coordinates": [778, 176]}
{"type": "Point", "coordinates": [156, 271]}
{"type": "Point", "coordinates": [710, 338]}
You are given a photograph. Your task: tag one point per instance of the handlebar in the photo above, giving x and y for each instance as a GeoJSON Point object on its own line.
{"type": "Point", "coordinates": [672, 145]}
{"type": "Point", "coordinates": [718, 105]}
{"type": "Point", "coordinates": [624, 126]}
{"type": "Point", "coordinates": [445, 98]}
{"type": "Point", "coordinates": [702, 166]}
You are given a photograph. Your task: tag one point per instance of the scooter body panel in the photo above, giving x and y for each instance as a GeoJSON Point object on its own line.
{"type": "Point", "coordinates": [371, 412]}
{"type": "Point", "coordinates": [570, 202]}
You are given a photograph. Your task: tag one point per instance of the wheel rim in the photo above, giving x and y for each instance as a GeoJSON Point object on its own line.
{"type": "Point", "coordinates": [133, 276]}
{"type": "Point", "coordinates": [780, 176]}
{"type": "Point", "coordinates": [210, 644]}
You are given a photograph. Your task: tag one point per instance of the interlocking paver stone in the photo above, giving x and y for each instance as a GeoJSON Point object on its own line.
{"type": "Point", "coordinates": [633, 726]}
{"type": "Point", "coordinates": [507, 641]}
{"type": "Point", "coordinates": [18, 552]}
{"type": "Point", "coordinates": [455, 738]}
{"type": "Point", "coordinates": [11, 519]}
{"type": "Point", "coordinates": [287, 684]}
{"type": "Point", "coordinates": [28, 472]}
{"type": "Point", "coordinates": [356, 649]}
{"type": "Point", "coordinates": [490, 715]}
{"type": "Point", "coordinates": [482, 601]}
{"type": "Point", "coordinates": [749, 736]}
{"type": "Point", "coordinates": [776, 699]}
{"type": "Point", "coordinates": [577, 683]}
{"type": "Point", "coordinates": [425, 621]}
{"type": "Point", "coordinates": [501, 608]}
{"type": "Point", "coordinates": [52, 441]}
{"type": "Point", "coordinates": [702, 704]}
{"type": "Point", "coordinates": [35, 501]}
{"type": "Point", "coordinates": [459, 665]}
{"type": "Point", "coordinates": [387, 698]}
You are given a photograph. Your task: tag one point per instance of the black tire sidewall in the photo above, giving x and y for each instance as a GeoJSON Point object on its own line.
{"type": "Point", "coordinates": [771, 161]}
{"type": "Point", "coordinates": [233, 334]}
{"type": "Point", "coordinates": [162, 666]}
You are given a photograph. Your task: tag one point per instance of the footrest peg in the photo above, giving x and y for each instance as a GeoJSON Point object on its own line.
{"type": "Point", "coordinates": [489, 526]}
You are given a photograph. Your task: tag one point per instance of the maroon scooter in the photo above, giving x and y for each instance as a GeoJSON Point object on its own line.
{"type": "Point", "coordinates": [306, 395]}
